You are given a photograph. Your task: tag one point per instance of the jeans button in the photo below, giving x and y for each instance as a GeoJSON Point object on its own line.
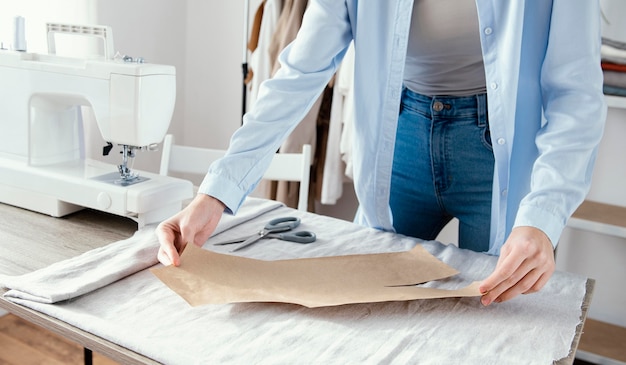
{"type": "Point", "coordinates": [438, 106]}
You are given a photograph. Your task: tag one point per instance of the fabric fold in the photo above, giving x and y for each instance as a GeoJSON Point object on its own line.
{"type": "Point", "coordinates": [99, 267]}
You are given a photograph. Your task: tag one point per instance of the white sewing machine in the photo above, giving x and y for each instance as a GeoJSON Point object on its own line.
{"type": "Point", "coordinates": [42, 149]}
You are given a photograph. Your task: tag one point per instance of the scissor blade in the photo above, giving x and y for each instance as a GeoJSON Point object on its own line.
{"type": "Point", "coordinates": [230, 242]}
{"type": "Point", "coordinates": [248, 242]}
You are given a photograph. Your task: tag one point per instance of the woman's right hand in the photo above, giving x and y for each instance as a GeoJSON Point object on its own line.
{"type": "Point", "coordinates": [193, 224]}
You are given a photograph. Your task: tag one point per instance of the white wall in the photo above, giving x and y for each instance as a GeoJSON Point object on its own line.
{"type": "Point", "coordinates": [614, 24]}
{"type": "Point", "coordinates": [37, 13]}
{"type": "Point", "coordinates": [213, 77]}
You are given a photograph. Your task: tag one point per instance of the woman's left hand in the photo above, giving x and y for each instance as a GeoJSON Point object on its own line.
{"type": "Point", "coordinates": [526, 263]}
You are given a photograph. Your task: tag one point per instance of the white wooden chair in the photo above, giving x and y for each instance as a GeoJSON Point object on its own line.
{"type": "Point", "coordinates": [196, 160]}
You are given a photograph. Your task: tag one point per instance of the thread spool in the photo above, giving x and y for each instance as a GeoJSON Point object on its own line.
{"type": "Point", "coordinates": [19, 34]}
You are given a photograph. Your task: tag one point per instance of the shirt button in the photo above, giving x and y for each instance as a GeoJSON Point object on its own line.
{"type": "Point", "coordinates": [503, 192]}
{"type": "Point", "coordinates": [493, 85]}
{"type": "Point", "coordinates": [501, 141]}
{"type": "Point", "coordinates": [488, 30]}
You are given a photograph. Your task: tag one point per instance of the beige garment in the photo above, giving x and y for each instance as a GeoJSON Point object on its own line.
{"type": "Point", "coordinates": [287, 28]}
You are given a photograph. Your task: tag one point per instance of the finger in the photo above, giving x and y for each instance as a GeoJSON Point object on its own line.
{"type": "Point", "coordinates": [168, 253]}
{"type": "Point", "coordinates": [521, 286]}
{"type": "Point", "coordinates": [506, 267]}
{"type": "Point", "coordinates": [164, 258]}
{"type": "Point", "coordinates": [543, 280]}
{"type": "Point", "coordinates": [511, 279]}
{"type": "Point", "coordinates": [166, 234]}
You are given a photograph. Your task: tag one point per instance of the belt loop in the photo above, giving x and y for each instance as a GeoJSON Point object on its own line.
{"type": "Point", "coordinates": [481, 109]}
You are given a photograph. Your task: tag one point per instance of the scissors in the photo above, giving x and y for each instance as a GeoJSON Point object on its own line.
{"type": "Point", "coordinates": [276, 228]}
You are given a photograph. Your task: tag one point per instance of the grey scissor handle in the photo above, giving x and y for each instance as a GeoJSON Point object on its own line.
{"type": "Point", "coordinates": [298, 237]}
{"type": "Point", "coordinates": [282, 224]}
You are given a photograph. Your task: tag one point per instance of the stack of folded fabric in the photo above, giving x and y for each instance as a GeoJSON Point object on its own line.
{"type": "Point", "coordinates": [614, 66]}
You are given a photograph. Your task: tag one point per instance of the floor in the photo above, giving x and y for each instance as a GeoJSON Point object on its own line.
{"type": "Point", "coordinates": [22, 343]}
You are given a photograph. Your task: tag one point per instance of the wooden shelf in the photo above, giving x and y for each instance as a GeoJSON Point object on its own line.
{"type": "Point", "coordinates": [602, 341]}
{"type": "Point", "coordinates": [600, 218]}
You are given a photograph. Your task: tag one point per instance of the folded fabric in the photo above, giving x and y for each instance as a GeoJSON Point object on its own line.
{"type": "Point", "coordinates": [614, 43]}
{"type": "Point", "coordinates": [614, 90]}
{"type": "Point", "coordinates": [94, 269]}
{"type": "Point", "coordinates": [612, 54]}
{"type": "Point", "coordinates": [614, 78]}
{"type": "Point", "coordinates": [609, 66]}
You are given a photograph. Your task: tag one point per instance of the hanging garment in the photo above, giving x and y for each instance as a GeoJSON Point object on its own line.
{"type": "Point", "coordinates": [338, 161]}
{"type": "Point", "coordinates": [260, 63]}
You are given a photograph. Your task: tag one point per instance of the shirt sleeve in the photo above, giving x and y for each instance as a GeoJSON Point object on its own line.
{"type": "Point", "coordinates": [574, 113]}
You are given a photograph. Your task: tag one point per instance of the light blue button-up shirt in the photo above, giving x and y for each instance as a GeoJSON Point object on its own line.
{"type": "Point", "coordinates": [544, 90]}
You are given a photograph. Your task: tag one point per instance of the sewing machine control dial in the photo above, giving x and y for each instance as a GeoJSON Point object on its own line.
{"type": "Point", "coordinates": [104, 201]}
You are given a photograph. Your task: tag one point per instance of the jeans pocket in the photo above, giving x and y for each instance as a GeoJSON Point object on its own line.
{"type": "Point", "coordinates": [486, 137]}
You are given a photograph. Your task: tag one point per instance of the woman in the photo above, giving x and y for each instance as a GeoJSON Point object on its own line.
{"type": "Point", "coordinates": [436, 82]}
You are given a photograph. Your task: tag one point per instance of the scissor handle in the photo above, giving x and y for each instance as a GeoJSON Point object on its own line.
{"type": "Point", "coordinates": [282, 224]}
{"type": "Point", "coordinates": [298, 237]}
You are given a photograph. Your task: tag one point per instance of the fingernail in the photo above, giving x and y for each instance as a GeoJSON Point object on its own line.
{"type": "Point", "coordinates": [485, 301]}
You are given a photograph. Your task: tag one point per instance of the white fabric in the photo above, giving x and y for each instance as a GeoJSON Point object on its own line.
{"type": "Point", "coordinates": [259, 59]}
{"type": "Point", "coordinates": [613, 54]}
{"type": "Point", "coordinates": [143, 315]}
{"type": "Point", "coordinates": [94, 269]}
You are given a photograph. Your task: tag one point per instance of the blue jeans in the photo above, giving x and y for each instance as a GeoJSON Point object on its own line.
{"type": "Point", "coordinates": [443, 168]}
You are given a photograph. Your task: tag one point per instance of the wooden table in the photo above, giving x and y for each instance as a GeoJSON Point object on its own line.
{"type": "Point", "coordinates": [30, 241]}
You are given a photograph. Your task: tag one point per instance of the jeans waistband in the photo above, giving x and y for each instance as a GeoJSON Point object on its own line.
{"type": "Point", "coordinates": [448, 105]}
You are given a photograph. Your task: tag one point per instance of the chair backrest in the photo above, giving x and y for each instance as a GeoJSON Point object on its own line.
{"type": "Point", "coordinates": [196, 160]}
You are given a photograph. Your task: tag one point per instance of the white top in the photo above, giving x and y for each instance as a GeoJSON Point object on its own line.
{"type": "Point", "coordinates": [444, 55]}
